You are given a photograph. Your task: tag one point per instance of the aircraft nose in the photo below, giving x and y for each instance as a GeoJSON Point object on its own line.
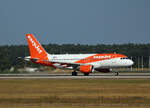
{"type": "Point", "coordinates": [130, 62]}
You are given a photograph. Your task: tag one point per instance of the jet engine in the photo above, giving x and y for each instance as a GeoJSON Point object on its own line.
{"type": "Point", "coordinates": [86, 68]}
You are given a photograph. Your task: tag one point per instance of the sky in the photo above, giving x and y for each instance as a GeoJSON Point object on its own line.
{"type": "Point", "coordinates": [75, 21]}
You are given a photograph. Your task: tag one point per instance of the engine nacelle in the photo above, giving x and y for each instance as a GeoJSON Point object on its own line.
{"type": "Point", "coordinates": [103, 70]}
{"type": "Point", "coordinates": [86, 68]}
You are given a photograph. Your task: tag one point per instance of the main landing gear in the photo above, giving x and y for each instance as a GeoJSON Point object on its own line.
{"type": "Point", "coordinates": [86, 74]}
{"type": "Point", "coordinates": [74, 73]}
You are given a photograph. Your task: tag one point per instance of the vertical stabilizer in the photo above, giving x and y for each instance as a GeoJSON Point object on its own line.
{"type": "Point", "coordinates": [36, 50]}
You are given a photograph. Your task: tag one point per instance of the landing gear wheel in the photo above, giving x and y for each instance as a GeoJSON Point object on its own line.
{"type": "Point", "coordinates": [74, 73]}
{"type": "Point", "coordinates": [116, 73]}
{"type": "Point", "coordinates": [86, 74]}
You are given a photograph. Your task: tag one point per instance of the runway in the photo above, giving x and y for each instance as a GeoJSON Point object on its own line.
{"type": "Point", "coordinates": [68, 76]}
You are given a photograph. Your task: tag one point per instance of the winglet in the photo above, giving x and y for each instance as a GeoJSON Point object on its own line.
{"type": "Point", "coordinates": [36, 50]}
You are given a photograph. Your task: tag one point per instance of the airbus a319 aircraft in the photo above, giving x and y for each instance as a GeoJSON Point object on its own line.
{"type": "Point", "coordinates": [85, 63]}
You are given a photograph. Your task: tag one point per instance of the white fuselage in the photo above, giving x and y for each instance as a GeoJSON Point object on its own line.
{"type": "Point", "coordinates": [73, 58]}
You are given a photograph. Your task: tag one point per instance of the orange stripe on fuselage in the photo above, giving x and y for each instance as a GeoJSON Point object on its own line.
{"type": "Point", "coordinates": [99, 57]}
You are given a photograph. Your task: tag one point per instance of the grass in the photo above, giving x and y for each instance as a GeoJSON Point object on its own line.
{"type": "Point", "coordinates": [82, 106]}
{"type": "Point", "coordinates": [73, 93]}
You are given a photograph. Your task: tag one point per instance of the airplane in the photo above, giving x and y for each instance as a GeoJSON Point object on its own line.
{"type": "Point", "coordinates": [85, 63]}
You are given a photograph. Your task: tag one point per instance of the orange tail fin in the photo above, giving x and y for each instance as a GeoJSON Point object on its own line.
{"type": "Point", "coordinates": [36, 50]}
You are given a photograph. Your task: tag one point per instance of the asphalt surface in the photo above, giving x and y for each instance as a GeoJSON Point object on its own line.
{"type": "Point", "coordinates": [68, 76]}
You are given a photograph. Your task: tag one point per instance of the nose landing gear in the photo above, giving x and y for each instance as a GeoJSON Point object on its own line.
{"type": "Point", "coordinates": [116, 73]}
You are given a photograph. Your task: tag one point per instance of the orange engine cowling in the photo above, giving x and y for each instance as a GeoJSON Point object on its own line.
{"type": "Point", "coordinates": [86, 68]}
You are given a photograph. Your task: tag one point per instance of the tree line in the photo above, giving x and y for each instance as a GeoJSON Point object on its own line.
{"type": "Point", "coordinates": [9, 54]}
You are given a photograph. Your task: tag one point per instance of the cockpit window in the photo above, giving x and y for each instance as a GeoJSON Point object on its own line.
{"type": "Point", "coordinates": [124, 58]}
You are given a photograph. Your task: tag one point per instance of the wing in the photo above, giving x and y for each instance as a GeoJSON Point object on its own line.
{"type": "Point", "coordinates": [68, 64]}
